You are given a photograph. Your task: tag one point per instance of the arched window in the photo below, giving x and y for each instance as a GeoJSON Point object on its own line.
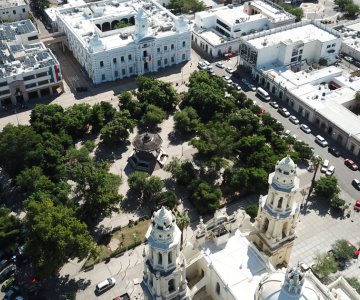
{"type": "Point", "coordinates": [217, 288]}
{"type": "Point", "coordinates": [170, 257]}
{"type": "Point", "coordinates": [280, 202]}
{"type": "Point", "coordinates": [159, 258]}
{"type": "Point", "coordinates": [171, 285]}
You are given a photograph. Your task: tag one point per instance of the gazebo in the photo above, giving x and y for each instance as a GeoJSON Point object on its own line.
{"type": "Point", "coordinates": [147, 152]}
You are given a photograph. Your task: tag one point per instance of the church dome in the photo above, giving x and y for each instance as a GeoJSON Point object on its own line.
{"type": "Point", "coordinates": [286, 165]}
{"type": "Point", "coordinates": [163, 218]}
{"type": "Point", "coordinates": [288, 285]}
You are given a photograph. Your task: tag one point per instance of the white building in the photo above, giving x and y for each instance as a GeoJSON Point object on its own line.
{"type": "Point", "coordinates": [28, 70]}
{"type": "Point", "coordinates": [350, 33]}
{"type": "Point", "coordinates": [14, 10]}
{"type": "Point", "coordinates": [224, 264]}
{"type": "Point", "coordinates": [218, 31]}
{"type": "Point", "coordinates": [114, 39]}
{"type": "Point", "coordinates": [291, 45]}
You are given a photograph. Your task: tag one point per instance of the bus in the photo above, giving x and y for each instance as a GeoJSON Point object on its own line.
{"type": "Point", "coordinates": [263, 94]}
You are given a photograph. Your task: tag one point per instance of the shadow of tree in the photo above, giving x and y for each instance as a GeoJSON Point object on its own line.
{"type": "Point", "coordinates": [176, 138]}
{"type": "Point", "coordinates": [316, 203]}
{"type": "Point", "coordinates": [112, 153]}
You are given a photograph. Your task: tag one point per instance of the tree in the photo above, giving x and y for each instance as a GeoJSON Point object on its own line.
{"type": "Point", "coordinates": [342, 3]}
{"type": "Point", "coordinates": [327, 187]}
{"type": "Point", "coordinates": [127, 102]}
{"type": "Point", "coordinates": [303, 149]}
{"type": "Point", "coordinates": [118, 129]}
{"type": "Point", "coordinates": [147, 188]}
{"type": "Point", "coordinates": [77, 119]}
{"type": "Point", "coordinates": [351, 9]}
{"type": "Point", "coordinates": [9, 230]}
{"type": "Point", "coordinates": [337, 202]}
{"type": "Point", "coordinates": [168, 199]}
{"type": "Point", "coordinates": [54, 235]}
{"type": "Point", "coordinates": [183, 221]}
{"type": "Point", "coordinates": [101, 114]}
{"type": "Point", "coordinates": [325, 264]}
{"type": "Point", "coordinates": [184, 6]}
{"type": "Point", "coordinates": [343, 250]}
{"type": "Point", "coordinates": [182, 171]}
{"type": "Point", "coordinates": [204, 196]}
{"type": "Point", "coordinates": [316, 161]}
{"type": "Point", "coordinates": [156, 92]}
{"type": "Point", "coordinates": [252, 210]}
{"type": "Point", "coordinates": [18, 146]}
{"type": "Point", "coordinates": [49, 117]}
{"type": "Point", "coordinates": [186, 120]}
{"type": "Point", "coordinates": [245, 121]}
{"type": "Point", "coordinates": [296, 11]}
{"type": "Point", "coordinates": [153, 117]}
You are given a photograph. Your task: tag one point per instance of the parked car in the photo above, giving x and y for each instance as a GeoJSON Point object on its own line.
{"type": "Point", "coordinates": [305, 128]}
{"type": "Point", "coordinates": [357, 205]}
{"type": "Point", "coordinates": [211, 71]}
{"type": "Point", "coordinates": [207, 64]}
{"type": "Point", "coordinates": [283, 111]}
{"type": "Point", "coordinates": [105, 285]}
{"type": "Point", "coordinates": [324, 166]}
{"type": "Point", "coordinates": [356, 250]}
{"type": "Point", "coordinates": [274, 104]}
{"type": "Point", "coordinates": [202, 66]}
{"type": "Point", "coordinates": [7, 273]}
{"type": "Point", "coordinates": [252, 87]}
{"type": "Point", "coordinates": [230, 70]}
{"type": "Point", "coordinates": [294, 120]}
{"type": "Point", "coordinates": [12, 293]}
{"type": "Point", "coordinates": [122, 297]}
{"type": "Point", "coordinates": [220, 65]}
{"type": "Point", "coordinates": [349, 163]}
{"type": "Point", "coordinates": [7, 283]}
{"type": "Point", "coordinates": [334, 151]}
{"type": "Point", "coordinates": [4, 263]}
{"type": "Point", "coordinates": [348, 58]}
{"type": "Point", "coordinates": [321, 141]}
{"type": "Point", "coordinates": [237, 86]}
{"type": "Point", "coordinates": [356, 183]}
{"type": "Point", "coordinates": [330, 171]}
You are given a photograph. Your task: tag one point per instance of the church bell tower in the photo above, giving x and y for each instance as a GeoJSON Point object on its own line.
{"type": "Point", "coordinates": [278, 214]}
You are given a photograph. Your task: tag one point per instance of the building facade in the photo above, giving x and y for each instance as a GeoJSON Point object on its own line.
{"type": "Point", "coordinates": [278, 214]}
{"type": "Point", "coordinates": [14, 10]}
{"type": "Point", "coordinates": [164, 269]}
{"type": "Point", "coordinates": [116, 39]}
{"type": "Point", "coordinates": [218, 31]}
{"type": "Point", "coordinates": [28, 70]}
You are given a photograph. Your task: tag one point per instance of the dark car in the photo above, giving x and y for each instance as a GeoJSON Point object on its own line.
{"type": "Point", "coordinates": [4, 263]}
{"type": "Point", "coordinates": [352, 165]}
{"type": "Point", "coordinates": [334, 151]}
{"type": "Point", "coordinates": [12, 293]}
{"type": "Point", "coordinates": [7, 273]}
{"type": "Point", "coordinates": [356, 183]}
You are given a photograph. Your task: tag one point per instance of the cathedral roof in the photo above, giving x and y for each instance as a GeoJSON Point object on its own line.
{"type": "Point", "coordinates": [287, 164]}
{"type": "Point", "coordinates": [163, 218]}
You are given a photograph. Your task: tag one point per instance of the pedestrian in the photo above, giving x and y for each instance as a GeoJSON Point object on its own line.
{"type": "Point", "coordinates": [190, 64]}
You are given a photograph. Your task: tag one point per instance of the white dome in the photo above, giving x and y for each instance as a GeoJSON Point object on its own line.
{"type": "Point", "coordinates": [286, 165]}
{"type": "Point", "coordinates": [163, 218]}
{"type": "Point", "coordinates": [286, 286]}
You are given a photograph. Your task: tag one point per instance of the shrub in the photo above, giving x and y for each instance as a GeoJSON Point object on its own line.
{"type": "Point", "coordinates": [252, 210]}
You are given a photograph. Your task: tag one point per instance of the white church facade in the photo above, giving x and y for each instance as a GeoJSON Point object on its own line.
{"type": "Point", "coordinates": [231, 258]}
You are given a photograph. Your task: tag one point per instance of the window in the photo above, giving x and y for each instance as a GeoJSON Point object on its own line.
{"type": "Point", "coordinates": [4, 83]}
{"type": "Point", "coordinates": [280, 202]}
{"type": "Point", "coordinates": [31, 85]}
{"type": "Point", "coordinates": [129, 56]}
{"type": "Point", "coordinates": [183, 56]}
{"type": "Point", "coordinates": [4, 92]}
{"type": "Point", "coordinates": [328, 46]}
{"type": "Point", "coordinates": [172, 59]}
{"type": "Point", "coordinates": [172, 46]}
{"type": "Point", "coordinates": [43, 74]}
{"type": "Point", "coordinates": [170, 257]}
{"type": "Point", "coordinates": [184, 44]}
{"type": "Point", "coordinates": [223, 25]}
{"type": "Point", "coordinates": [159, 63]}
{"type": "Point", "coordinates": [333, 45]}
{"type": "Point", "coordinates": [14, 12]}
{"type": "Point", "coordinates": [43, 82]}
{"type": "Point", "coordinates": [300, 51]}
{"type": "Point", "coordinates": [217, 288]}
{"type": "Point", "coordinates": [145, 46]}
{"type": "Point", "coordinates": [123, 71]}
{"type": "Point", "coordinates": [165, 48]}
{"type": "Point", "coordinates": [101, 64]}
{"type": "Point", "coordinates": [26, 78]}
{"type": "Point", "coordinates": [116, 73]}
{"type": "Point", "coordinates": [130, 70]}
{"type": "Point", "coordinates": [122, 58]}
{"type": "Point", "coordinates": [165, 61]}
{"type": "Point", "coordinates": [103, 77]}
{"type": "Point", "coordinates": [31, 38]}
{"type": "Point", "coordinates": [158, 50]}
{"type": "Point", "coordinates": [294, 59]}
{"type": "Point", "coordinates": [114, 60]}
{"type": "Point", "coordinates": [23, 10]}
{"type": "Point", "coordinates": [159, 258]}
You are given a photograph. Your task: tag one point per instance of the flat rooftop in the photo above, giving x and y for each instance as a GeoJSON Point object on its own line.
{"type": "Point", "coordinates": [11, 3]}
{"type": "Point", "coordinates": [238, 264]}
{"type": "Point", "coordinates": [16, 57]}
{"type": "Point", "coordinates": [351, 34]}
{"type": "Point", "coordinates": [83, 20]}
{"type": "Point", "coordinates": [305, 34]}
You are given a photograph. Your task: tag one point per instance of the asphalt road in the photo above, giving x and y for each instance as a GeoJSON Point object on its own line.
{"type": "Point", "coordinates": [342, 173]}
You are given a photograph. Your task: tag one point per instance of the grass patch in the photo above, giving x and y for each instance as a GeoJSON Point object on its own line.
{"type": "Point", "coordinates": [104, 252]}
{"type": "Point", "coordinates": [132, 234]}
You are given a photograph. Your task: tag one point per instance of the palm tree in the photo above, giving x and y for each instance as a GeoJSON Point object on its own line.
{"type": "Point", "coordinates": [316, 161]}
{"type": "Point", "coordinates": [183, 221]}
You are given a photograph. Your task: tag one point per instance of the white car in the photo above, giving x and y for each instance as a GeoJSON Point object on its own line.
{"type": "Point", "coordinates": [220, 65]}
{"type": "Point", "coordinates": [305, 128]}
{"type": "Point", "coordinates": [348, 58]}
{"type": "Point", "coordinates": [330, 171]}
{"type": "Point", "coordinates": [274, 104]}
{"type": "Point", "coordinates": [206, 63]}
{"type": "Point", "coordinates": [230, 70]}
{"type": "Point", "coordinates": [294, 120]}
{"type": "Point", "coordinates": [237, 86]}
{"type": "Point", "coordinates": [226, 78]}
{"type": "Point", "coordinates": [252, 87]}
{"type": "Point", "coordinates": [324, 166]}
{"type": "Point", "coordinates": [202, 66]}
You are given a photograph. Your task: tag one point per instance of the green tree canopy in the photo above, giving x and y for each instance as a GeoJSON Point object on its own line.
{"type": "Point", "coordinates": [186, 120]}
{"type": "Point", "coordinates": [101, 114]}
{"type": "Point", "coordinates": [184, 6]}
{"type": "Point", "coordinates": [118, 129]}
{"type": "Point", "coordinates": [182, 171]}
{"type": "Point", "coordinates": [327, 187]}
{"type": "Point", "coordinates": [343, 250]}
{"type": "Point", "coordinates": [77, 120]}
{"type": "Point", "coordinates": [244, 121]}
{"type": "Point", "coordinates": [49, 117]}
{"type": "Point", "coordinates": [325, 264]}
{"type": "Point", "coordinates": [168, 199]}
{"type": "Point", "coordinates": [153, 117]}
{"type": "Point", "coordinates": [128, 102]}
{"type": "Point", "coordinates": [204, 196]}
{"type": "Point", "coordinates": [54, 235]}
